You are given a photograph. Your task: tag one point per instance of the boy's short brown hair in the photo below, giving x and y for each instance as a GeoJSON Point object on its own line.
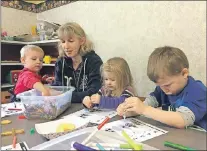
{"type": "Point", "coordinates": [166, 61]}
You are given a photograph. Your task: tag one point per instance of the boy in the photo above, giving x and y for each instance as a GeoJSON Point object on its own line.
{"type": "Point", "coordinates": [183, 99]}
{"type": "Point", "coordinates": [31, 58]}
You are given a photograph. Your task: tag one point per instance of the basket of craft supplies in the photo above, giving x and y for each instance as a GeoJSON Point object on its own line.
{"type": "Point", "coordinates": [46, 107]}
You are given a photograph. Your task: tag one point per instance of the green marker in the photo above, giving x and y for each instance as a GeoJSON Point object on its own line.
{"type": "Point", "coordinates": [177, 146]}
{"type": "Point", "coordinates": [131, 141]}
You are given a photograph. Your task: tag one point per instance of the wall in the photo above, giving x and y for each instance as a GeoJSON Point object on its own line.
{"type": "Point", "coordinates": [17, 22]}
{"type": "Point", "coordinates": [133, 29]}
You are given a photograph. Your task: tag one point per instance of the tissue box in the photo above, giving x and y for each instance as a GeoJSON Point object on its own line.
{"type": "Point", "coordinates": [46, 107]}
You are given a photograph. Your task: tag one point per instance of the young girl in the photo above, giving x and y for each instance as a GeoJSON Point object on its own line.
{"type": "Point", "coordinates": [77, 62]}
{"type": "Point", "coordinates": [117, 85]}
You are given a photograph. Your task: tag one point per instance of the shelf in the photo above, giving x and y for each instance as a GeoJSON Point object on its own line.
{"type": "Point", "coordinates": [44, 42]}
{"type": "Point", "coordinates": [19, 64]}
{"type": "Point", "coordinates": [6, 85]}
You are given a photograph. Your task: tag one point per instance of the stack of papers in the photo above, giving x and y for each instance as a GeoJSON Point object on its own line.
{"type": "Point", "coordinates": [12, 109]}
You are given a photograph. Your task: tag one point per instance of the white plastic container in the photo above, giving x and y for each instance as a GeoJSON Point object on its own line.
{"type": "Point", "coordinates": [46, 107]}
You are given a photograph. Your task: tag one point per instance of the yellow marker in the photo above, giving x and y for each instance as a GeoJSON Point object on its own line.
{"type": "Point", "coordinates": [65, 127]}
{"type": "Point", "coordinates": [7, 133]}
{"type": "Point", "coordinates": [4, 122]}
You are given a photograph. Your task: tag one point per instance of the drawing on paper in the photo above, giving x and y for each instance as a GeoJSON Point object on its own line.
{"type": "Point", "coordinates": [136, 129]}
{"type": "Point", "coordinates": [95, 116]}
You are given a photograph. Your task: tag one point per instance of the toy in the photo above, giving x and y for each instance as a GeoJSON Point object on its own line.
{"type": "Point", "coordinates": [22, 117]}
{"type": "Point", "coordinates": [32, 131]}
{"type": "Point", "coordinates": [4, 122]}
{"type": "Point", "coordinates": [7, 133]}
{"type": "Point", "coordinates": [65, 127]}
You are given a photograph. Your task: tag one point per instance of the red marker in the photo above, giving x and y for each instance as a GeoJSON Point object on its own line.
{"type": "Point", "coordinates": [14, 109]}
{"type": "Point", "coordinates": [98, 128]}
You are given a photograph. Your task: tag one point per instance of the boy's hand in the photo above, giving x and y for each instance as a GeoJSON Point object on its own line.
{"type": "Point", "coordinates": [95, 98]}
{"type": "Point", "coordinates": [134, 104]}
{"type": "Point", "coordinates": [46, 92]}
{"type": "Point", "coordinates": [87, 102]}
{"type": "Point", "coordinates": [121, 109]}
{"type": "Point", "coordinates": [50, 79]}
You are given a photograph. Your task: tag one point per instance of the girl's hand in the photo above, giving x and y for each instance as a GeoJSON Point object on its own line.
{"type": "Point", "coordinates": [95, 98]}
{"type": "Point", "coordinates": [87, 102]}
{"type": "Point", "coordinates": [134, 104]}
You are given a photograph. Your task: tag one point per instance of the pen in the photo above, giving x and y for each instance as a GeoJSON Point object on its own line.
{"type": "Point", "coordinates": [14, 138]}
{"type": "Point", "coordinates": [98, 128]}
{"type": "Point", "coordinates": [15, 105]}
{"type": "Point", "coordinates": [177, 146]}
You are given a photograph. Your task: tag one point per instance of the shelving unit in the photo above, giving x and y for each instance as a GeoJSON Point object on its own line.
{"type": "Point", "coordinates": [46, 42]}
{"type": "Point", "coordinates": [6, 85]}
{"type": "Point", "coordinates": [10, 56]}
{"type": "Point", "coordinates": [19, 64]}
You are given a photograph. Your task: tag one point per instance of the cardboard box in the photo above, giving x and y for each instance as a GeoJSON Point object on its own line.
{"type": "Point", "coordinates": [5, 97]}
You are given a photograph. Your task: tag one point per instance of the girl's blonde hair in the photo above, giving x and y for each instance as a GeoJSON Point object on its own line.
{"type": "Point", "coordinates": [73, 29]}
{"type": "Point", "coordinates": [120, 69]}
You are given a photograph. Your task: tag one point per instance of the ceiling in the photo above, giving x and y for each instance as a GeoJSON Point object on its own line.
{"type": "Point", "coordinates": [34, 1]}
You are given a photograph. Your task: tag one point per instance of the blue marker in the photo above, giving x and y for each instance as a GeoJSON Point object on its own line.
{"type": "Point", "coordinates": [99, 146]}
{"type": "Point", "coordinates": [81, 147]}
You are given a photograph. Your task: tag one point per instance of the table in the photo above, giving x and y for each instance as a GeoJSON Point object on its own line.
{"type": "Point", "coordinates": [191, 138]}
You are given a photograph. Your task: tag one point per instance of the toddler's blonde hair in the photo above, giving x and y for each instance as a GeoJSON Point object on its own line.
{"type": "Point", "coordinates": [120, 69]}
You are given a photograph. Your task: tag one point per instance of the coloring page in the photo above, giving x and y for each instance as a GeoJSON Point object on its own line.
{"type": "Point", "coordinates": [5, 108]}
{"type": "Point", "coordinates": [94, 116]}
{"type": "Point", "coordinates": [136, 129]}
{"type": "Point", "coordinates": [19, 146]}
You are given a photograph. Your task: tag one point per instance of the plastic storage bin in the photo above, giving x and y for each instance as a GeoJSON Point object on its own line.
{"type": "Point", "coordinates": [46, 107]}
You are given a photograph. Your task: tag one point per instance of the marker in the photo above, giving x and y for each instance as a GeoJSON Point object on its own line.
{"type": "Point", "coordinates": [124, 116]}
{"type": "Point", "coordinates": [80, 147]}
{"type": "Point", "coordinates": [100, 146]}
{"type": "Point", "coordinates": [14, 109]}
{"type": "Point", "coordinates": [98, 128]}
{"type": "Point", "coordinates": [106, 145]}
{"type": "Point", "coordinates": [177, 146]}
{"type": "Point", "coordinates": [131, 142]}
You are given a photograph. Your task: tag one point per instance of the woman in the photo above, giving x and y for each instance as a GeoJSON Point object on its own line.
{"type": "Point", "coordinates": [77, 62]}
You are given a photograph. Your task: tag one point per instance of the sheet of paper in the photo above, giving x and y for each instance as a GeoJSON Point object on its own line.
{"type": "Point", "coordinates": [6, 112]}
{"type": "Point", "coordinates": [96, 116]}
{"type": "Point", "coordinates": [136, 129]}
{"type": "Point", "coordinates": [19, 146]}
